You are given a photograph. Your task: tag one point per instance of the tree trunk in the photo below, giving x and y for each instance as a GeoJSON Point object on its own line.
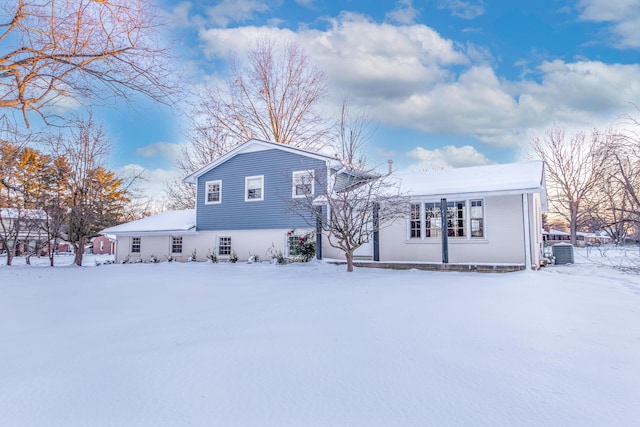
{"type": "Point", "coordinates": [573, 229]}
{"type": "Point", "coordinates": [349, 256]}
{"type": "Point", "coordinates": [79, 246]}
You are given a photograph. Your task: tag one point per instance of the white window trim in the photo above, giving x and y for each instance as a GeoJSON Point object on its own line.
{"type": "Point", "coordinates": [484, 219]}
{"type": "Point", "coordinates": [246, 188]}
{"type": "Point", "coordinates": [206, 192]}
{"type": "Point", "coordinates": [423, 227]}
{"type": "Point", "coordinates": [139, 245]}
{"type": "Point", "coordinates": [218, 246]}
{"type": "Point", "coordinates": [181, 245]}
{"type": "Point", "coordinates": [309, 173]}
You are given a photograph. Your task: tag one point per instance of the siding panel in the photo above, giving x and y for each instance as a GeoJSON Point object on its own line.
{"type": "Point", "coordinates": [271, 213]}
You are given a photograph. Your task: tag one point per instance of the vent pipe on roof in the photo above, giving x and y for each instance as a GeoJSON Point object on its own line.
{"type": "Point", "coordinates": [390, 166]}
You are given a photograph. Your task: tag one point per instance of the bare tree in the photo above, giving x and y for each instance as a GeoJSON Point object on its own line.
{"type": "Point", "coordinates": [88, 50]}
{"type": "Point", "coordinates": [574, 167]}
{"type": "Point", "coordinates": [273, 95]}
{"type": "Point", "coordinates": [95, 197]}
{"type": "Point", "coordinates": [357, 201]}
{"type": "Point", "coordinates": [624, 173]}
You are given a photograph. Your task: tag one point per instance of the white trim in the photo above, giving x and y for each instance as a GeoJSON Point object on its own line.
{"type": "Point", "coordinates": [246, 188]}
{"type": "Point", "coordinates": [308, 173]}
{"type": "Point", "coordinates": [253, 145]}
{"type": "Point", "coordinates": [527, 231]}
{"type": "Point", "coordinates": [484, 218]}
{"type": "Point", "coordinates": [218, 237]}
{"type": "Point", "coordinates": [171, 245]}
{"type": "Point", "coordinates": [206, 192]}
{"type": "Point", "coordinates": [139, 251]}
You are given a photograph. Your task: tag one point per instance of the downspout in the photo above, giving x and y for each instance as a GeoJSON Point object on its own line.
{"type": "Point", "coordinates": [527, 231]}
{"type": "Point", "coordinates": [376, 231]}
{"type": "Point", "coordinates": [318, 232]}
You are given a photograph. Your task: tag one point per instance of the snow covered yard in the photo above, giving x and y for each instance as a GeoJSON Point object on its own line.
{"type": "Point", "coordinates": [202, 344]}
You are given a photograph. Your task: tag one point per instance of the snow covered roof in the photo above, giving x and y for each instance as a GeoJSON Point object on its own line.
{"type": "Point", "coordinates": [555, 232]}
{"type": "Point", "coordinates": [163, 223]}
{"type": "Point", "coordinates": [510, 178]}
{"type": "Point", "coordinates": [13, 213]}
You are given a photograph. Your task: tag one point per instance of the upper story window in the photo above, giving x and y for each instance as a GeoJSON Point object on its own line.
{"type": "Point", "coordinates": [135, 245]}
{"type": "Point", "coordinates": [303, 183]}
{"type": "Point", "coordinates": [213, 192]}
{"type": "Point", "coordinates": [254, 188]}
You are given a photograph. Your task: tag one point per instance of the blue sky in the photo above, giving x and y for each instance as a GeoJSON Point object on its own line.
{"type": "Point", "coordinates": [449, 82]}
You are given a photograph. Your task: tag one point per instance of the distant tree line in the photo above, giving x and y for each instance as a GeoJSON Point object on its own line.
{"type": "Point", "coordinates": [62, 192]}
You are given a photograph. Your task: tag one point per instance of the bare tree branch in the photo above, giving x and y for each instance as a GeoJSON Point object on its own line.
{"type": "Point", "coordinates": [87, 50]}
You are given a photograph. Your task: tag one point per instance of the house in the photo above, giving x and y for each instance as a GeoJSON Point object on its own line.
{"type": "Point", "coordinates": [552, 236]}
{"type": "Point", "coordinates": [24, 230]}
{"type": "Point", "coordinates": [103, 245]}
{"type": "Point", "coordinates": [493, 217]}
{"type": "Point", "coordinates": [243, 207]}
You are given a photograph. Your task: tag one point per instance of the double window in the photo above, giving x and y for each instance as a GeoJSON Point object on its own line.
{"type": "Point", "coordinates": [303, 183]}
{"type": "Point", "coordinates": [425, 219]}
{"type": "Point", "coordinates": [254, 188]}
{"type": "Point", "coordinates": [214, 192]}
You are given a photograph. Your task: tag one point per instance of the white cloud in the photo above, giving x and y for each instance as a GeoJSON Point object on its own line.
{"type": "Point", "coordinates": [159, 149]}
{"type": "Point", "coordinates": [228, 11]}
{"type": "Point", "coordinates": [151, 182]}
{"type": "Point", "coordinates": [623, 15]}
{"type": "Point", "coordinates": [446, 157]}
{"type": "Point", "coordinates": [384, 153]}
{"type": "Point", "coordinates": [411, 77]}
{"type": "Point", "coordinates": [404, 13]}
{"type": "Point", "coordinates": [463, 9]}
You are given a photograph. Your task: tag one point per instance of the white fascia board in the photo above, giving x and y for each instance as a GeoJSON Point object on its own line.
{"type": "Point", "coordinates": [462, 195]}
{"type": "Point", "coordinates": [155, 233]}
{"type": "Point", "coordinates": [251, 146]}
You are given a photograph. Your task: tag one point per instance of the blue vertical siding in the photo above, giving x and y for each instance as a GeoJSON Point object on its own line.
{"type": "Point", "coordinates": [274, 211]}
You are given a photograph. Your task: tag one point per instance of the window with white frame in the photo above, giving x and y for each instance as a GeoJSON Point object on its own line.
{"type": "Point", "coordinates": [456, 220]}
{"type": "Point", "coordinates": [303, 183]}
{"type": "Point", "coordinates": [415, 225]}
{"type": "Point", "coordinates": [224, 245]}
{"type": "Point", "coordinates": [214, 192]}
{"type": "Point", "coordinates": [477, 218]}
{"type": "Point", "coordinates": [433, 222]}
{"type": "Point", "coordinates": [254, 188]}
{"type": "Point", "coordinates": [176, 244]}
{"type": "Point", "coordinates": [135, 245]}
{"type": "Point", "coordinates": [101, 245]}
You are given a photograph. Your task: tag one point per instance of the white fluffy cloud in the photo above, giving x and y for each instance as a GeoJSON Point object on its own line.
{"type": "Point", "coordinates": [622, 15]}
{"type": "Point", "coordinates": [159, 149]}
{"type": "Point", "coordinates": [151, 182]}
{"type": "Point", "coordinates": [404, 13]}
{"type": "Point", "coordinates": [410, 76]}
{"type": "Point", "coordinates": [462, 9]}
{"type": "Point", "coordinates": [448, 156]}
